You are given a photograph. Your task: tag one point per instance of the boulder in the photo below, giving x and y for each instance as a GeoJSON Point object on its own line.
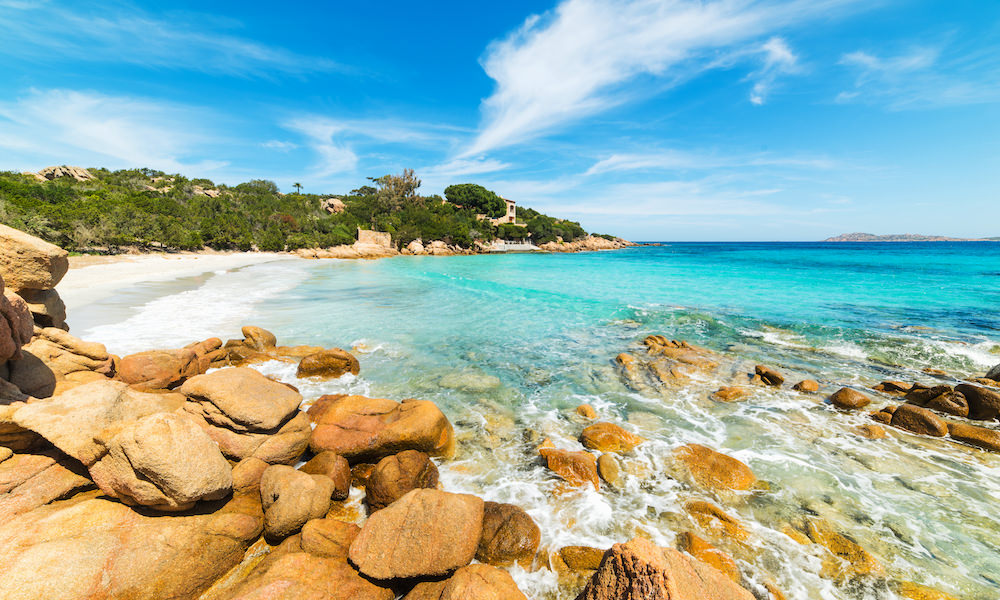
{"type": "Point", "coordinates": [333, 466]}
{"type": "Point", "coordinates": [73, 421]}
{"type": "Point", "coordinates": [921, 394]}
{"type": "Point", "coordinates": [708, 554]}
{"type": "Point", "coordinates": [807, 386]}
{"type": "Point", "coordinates": [305, 576]}
{"type": "Point", "coordinates": [29, 263]}
{"type": "Point", "coordinates": [328, 538]}
{"type": "Point", "coordinates": [240, 399]}
{"type": "Point", "coordinates": [714, 470]}
{"type": "Point", "coordinates": [163, 461]}
{"type": "Point", "coordinates": [247, 474]}
{"type": "Point", "coordinates": [608, 437]}
{"type": "Point", "coordinates": [291, 498]}
{"type": "Point", "coordinates": [474, 582]}
{"type": "Point", "coordinates": [715, 521]}
{"type": "Point", "coordinates": [47, 308]}
{"type": "Point", "coordinates": [639, 569]}
{"type": "Point", "coordinates": [769, 376]}
{"type": "Point", "coordinates": [52, 360]}
{"type": "Point", "coordinates": [586, 411]}
{"type": "Point", "coordinates": [894, 388]}
{"type": "Point", "coordinates": [950, 403]}
{"type": "Point", "coordinates": [984, 402]}
{"type": "Point", "coordinates": [259, 339]}
{"type": "Point", "coordinates": [981, 437]}
{"type": "Point", "coordinates": [159, 369]}
{"type": "Point", "coordinates": [415, 247]}
{"type": "Point", "coordinates": [994, 373]}
{"type": "Point", "coordinates": [578, 468]}
{"type": "Point", "coordinates": [16, 325]}
{"type": "Point", "coordinates": [328, 364]}
{"type": "Point", "coordinates": [28, 481]}
{"type": "Point", "coordinates": [730, 394]}
{"type": "Point", "coordinates": [77, 173]}
{"type": "Point", "coordinates": [581, 558]}
{"type": "Point", "coordinates": [610, 470]}
{"type": "Point", "coordinates": [426, 533]}
{"type": "Point", "coordinates": [365, 429]}
{"type": "Point", "coordinates": [871, 431]}
{"type": "Point", "coordinates": [849, 399]}
{"type": "Point", "coordinates": [396, 475]}
{"type": "Point", "coordinates": [119, 552]}
{"type": "Point", "coordinates": [509, 535]}
{"type": "Point", "coordinates": [333, 205]}
{"type": "Point", "coordinates": [918, 420]}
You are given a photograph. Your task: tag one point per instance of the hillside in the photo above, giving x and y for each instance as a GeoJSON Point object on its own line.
{"type": "Point", "coordinates": [903, 237]}
{"type": "Point", "coordinates": [97, 210]}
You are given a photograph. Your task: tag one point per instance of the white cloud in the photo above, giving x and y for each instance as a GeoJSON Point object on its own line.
{"type": "Point", "coordinates": [778, 60]}
{"type": "Point", "coordinates": [279, 145]}
{"type": "Point", "coordinates": [67, 126]}
{"type": "Point", "coordinates": [575, 61]}
{"type": "Point", "coordinates": [677, 160]}
{"type": "Point", "coordinates": [334, 156]}
{"type": "Point", "coordinates": [121, 33]}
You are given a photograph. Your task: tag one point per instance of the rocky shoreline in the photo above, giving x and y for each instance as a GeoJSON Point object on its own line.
{"type": "Point", "coordinates": [186, 473]}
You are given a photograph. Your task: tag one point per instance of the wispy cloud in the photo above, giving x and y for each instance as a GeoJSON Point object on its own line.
{"type": "Point", "coordinates": [67, 126]}
{"type": "Point", "coordinates": [676, 160]}
{"type": "Point", "coordinates": [123, 33]}
{"type": "Point", "coordinates": [575, 61]}
{"type": "Point", "coordinates": [923, 77]}
{"type": "Point", "coordinates": [778, 60]}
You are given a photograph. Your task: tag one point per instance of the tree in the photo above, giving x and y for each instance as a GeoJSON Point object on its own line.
{"type": "Point", "coordinates": [477, 198]}
{"type": "Point", "coordinates": [395, 192]}
{"type": "Point", "coordinates": [298, 187]}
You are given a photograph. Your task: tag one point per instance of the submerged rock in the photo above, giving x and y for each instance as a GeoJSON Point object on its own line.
{"type": "Point", "coordinates": [918, 420]}
{"type": "Point", "coordinates": [577, 468]}
{"type": "Point", "coordinates": [509, 535]}
{"type": "Point", "coordinates": [730, 394]}
{"type": "Point", "coordinates": [807, 386]}
{"type": "Point", "coordinates": [849, 399]}
{"type": "Point", "coordinates": [396, 475]}
{"type": "Point", "coordinates": [608, 437]}
{"type": "Point", "coordinates": [769, 376]}
{"type": "Point", "coordinates": [981, 437]}
{"type": "Point", "coordinates": [639, 569]}
{"type": "Point", "coordinates": [708, 554]}
{"type": "Point", "coordinates": [586, 411]}
{"type": "Point", "coordinates": [715, 521]}
{"type": "Point", "coordinates": [714, 470]}
{"type": "Point", "coordinates": [430, 534]}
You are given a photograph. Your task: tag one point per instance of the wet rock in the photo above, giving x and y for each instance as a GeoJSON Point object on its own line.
{"type": "Point", "coordinates": [360, 473]}
{"type": "Point", "coordinates": [807, 386]}
{"type": "Point", "coordinates": [28, 481]}
{"type": "Point", "coordinates": [882, 416]}
{"type": "Point", "coordinates": [730, 394]}
{"type": "Point", "coordinates": [474, 582]}
{"type": "Point", "coordinates": [709, 554]}
{"type": "Point", "coordinates": [576, 467]}
{"type": "Point", "coordinates": [919, 420]}
{"type": "Point", "coordinates": [935, 372]}
{"type": "Point", "coordinates": [608, 437]}
{"type": "Point", "coordinates": [666, 365]}
{"type": "Point", "coordinates": [509, 535]}
{"type": "Point", "coordinates": [994, 373]}
{"type": "Point", "coordinates": [291, 498]}
{"type": "Point", "coordinates": [329, 364]}
{"type": "Point", "coordinates": [715, 521]}
{"type": "Point", "coordinates": [396, 475]}
{"type": "Point", "coordinates": [305, 576]}
{"type": "Point", "coordinates": [259, 339]}
{"type": "Point", "coordinates": [333, 466]}
{"type": "Point", "coordinates": [587, 411]}
{"type": "Point", "coordinates": [470, 381]}
{"type": "Point", "coordinates": [72, 420]}
{"type": "Point", "coordinates": [872, 432]}
{"type": "Point", "coordinates": [328, 538]}
{"type": "Point", "coordinates": [981, 437]}
{"type": "Point", "coordinates": [984, 403]}
{"type": "Point", "coordinates": [638, 569]}
{"type": "Point", "coordinates": [914, 591]}
{"type": "Point", "coordinates": [581, 558]}
{"type": "Point", "coordinates": [163, 461]}
{"type": "Point", "coordinates": [769, 376]}
{"type": "Point", "coordinates": [859, 561]}
{"type": "Point", "coordinates": [159, 369]}
{"type": "Point", "coordinates": [921, 395]}
{"type": "Point", "coordinates": [30, 263]}
{"type": "Point", "coordinates": [610, 470]}
{"type": "Point", "coordinates": [849, 399]}
{"type": "Point", "coordinates": [118, 552]}
{"type": "Point", "coordinates": [950, 403]}
{"type": "Point", "coordinates": [894, 388]}
{"type": "Point", "coordinates": [714, 470]}
{"type": "Point", "coordinates": [431, 533]}
{"type": "Point", "coordinates": [364, 429]}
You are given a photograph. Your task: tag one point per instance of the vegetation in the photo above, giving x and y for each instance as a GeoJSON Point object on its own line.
{"type": "Point", "coordinates": [476, 197]}
{"type": "Point", "coordinates": [150, 209]}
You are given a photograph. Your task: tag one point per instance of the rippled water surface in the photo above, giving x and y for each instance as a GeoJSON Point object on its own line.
{"type": "Point", "coordinates": [509, 345]}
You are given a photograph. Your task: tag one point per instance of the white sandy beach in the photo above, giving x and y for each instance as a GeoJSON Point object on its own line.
{"type": "Point", "coordinates": [86, 282]}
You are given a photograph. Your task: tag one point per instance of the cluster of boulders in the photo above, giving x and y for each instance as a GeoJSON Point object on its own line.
{"type": "Point", "coordinates": [590, 243]}
{"type": "Point", "coordinates": [31, 268]}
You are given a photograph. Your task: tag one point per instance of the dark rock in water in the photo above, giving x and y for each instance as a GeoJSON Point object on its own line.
{"type": "Point", "coordinates": [807, 386]}
{"type": "Point", "coordinates": [994, 373]}
{"type": "Point", "coordinates": [981, 437]}
{"type": "Point", "coordinates": [509, 535]}
{"type": "Point", "coordinates": [581, 558]}
{"type": "Point", "coordinates": [896, 388]}
{"type": "Point", "coordinates": [951, 403]}
{"type": "Point", "coordinates": [984, 403]}
{"type": "Point", "coordinates": [639, 569]}
{"type": "Point", "coordinates": [919, 420]}
{"type": "Point", "coordinates": [849, 399]}
{"type": "Point", "coordinates": [769, 376]}
{"type": "Point", "coordinates": [396, 475]}
{"type": "Point", "coordinates": [881, 416]}
{"type": "Point", "coordinates": [921, 395]}
{"type": "Point", "coordinates": [328, 364]}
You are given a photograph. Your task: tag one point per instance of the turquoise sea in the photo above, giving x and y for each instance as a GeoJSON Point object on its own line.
{"type": "Point", "coordinates": [509, 345]}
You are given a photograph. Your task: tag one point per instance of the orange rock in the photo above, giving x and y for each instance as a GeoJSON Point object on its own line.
{"type": "Point", "coordinates": [581, 558]}
{"type": "Point", "coordinates": [714, 520]}
{"type": "Point", "coordinates": [328, 364]}
{"type": "Point", "coordinates": [577, 468]}
{"type": "Point", "coordinates": [981, 437]}
{"type": "Point", "coordinates": [715, 470]}
{"type": "Point", "coordinates": [608, 437]}
{"type": "Point", "coordinates": [919, 420]}
{"type": "Point", "coordinates": [708, 554]}
{"type": "Point", "coordinates": [913, 591]}
{"type": "Point", "coordinates": [849, 399]}
{"type": "Point", "coordinates": [769, 376]}
{"type": "Point", "coordinates": [730, 394]}
{"type": "Point", "coordinates": [807, 386]}
{"type": "Point", "coordinates": [872, 432]}
{"type": "Point", "coordinates": [586, 410]}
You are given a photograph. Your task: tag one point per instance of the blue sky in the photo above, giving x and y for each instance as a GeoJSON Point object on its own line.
{"type": "Point", "coordinates": [667, 120]}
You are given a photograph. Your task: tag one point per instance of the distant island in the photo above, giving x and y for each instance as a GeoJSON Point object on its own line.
{"type": "Point", "coordinates": [903, 237]}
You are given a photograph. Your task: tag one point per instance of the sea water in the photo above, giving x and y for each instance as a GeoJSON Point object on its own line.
{"type": "Point", "coordinates": [509, 345]}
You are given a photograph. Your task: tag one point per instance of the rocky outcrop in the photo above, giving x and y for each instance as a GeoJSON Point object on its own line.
{"type": "Point", "coordinates": [713, 470]}
{"type": "Point", "coordinates": [590, 243]}
{"type": "Point", "coordinates": [575, 467]}
{"type": "Point", "coordinates": [364, 429]}
{"type": "Point", "coordinates": [848, 399]}
{"type": "Point", "coordinates": [639, 569]}
{"type": "Point", "coordinates": [28, 481]}
{"type": "Point", "coordinates": [16, 325]}
{"type": "Point", "coordinates": [426, 533]}
{"type": "Point", "coordinates": [55, 361]}
{"type": "Point", "coordinates": [29, 263]}
{"type": "Point", "coordinates": [666, 365]}
{"type": "Point", "coordinates": [608, 437]}
{"type": "Point", "coordinates": [77, 173]}
{"type": "Point", "coordinates": [328, 364]}
{"type": "Point", "coordinates": [334, 205]}
{"type": "Point", "coordinates": [291, 498]}
{"type": "Point", "coordinates": [160, 369]}
{"type": "Point", "coordinates": [163, 461]}
{"type": "Point", "coordinates": [119, 552]}
{"type": "Point", "coordinates": [509, 536]}
{"type": "Point", "coordinates": [396, 475]}
{"type": "Point", "coordinates": [47, 308]}
{"type": "Point", "coordinates": [474, 582]}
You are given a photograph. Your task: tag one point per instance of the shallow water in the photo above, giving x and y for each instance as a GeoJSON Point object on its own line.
{"type": "Point", "coordinates": [508, 345]}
